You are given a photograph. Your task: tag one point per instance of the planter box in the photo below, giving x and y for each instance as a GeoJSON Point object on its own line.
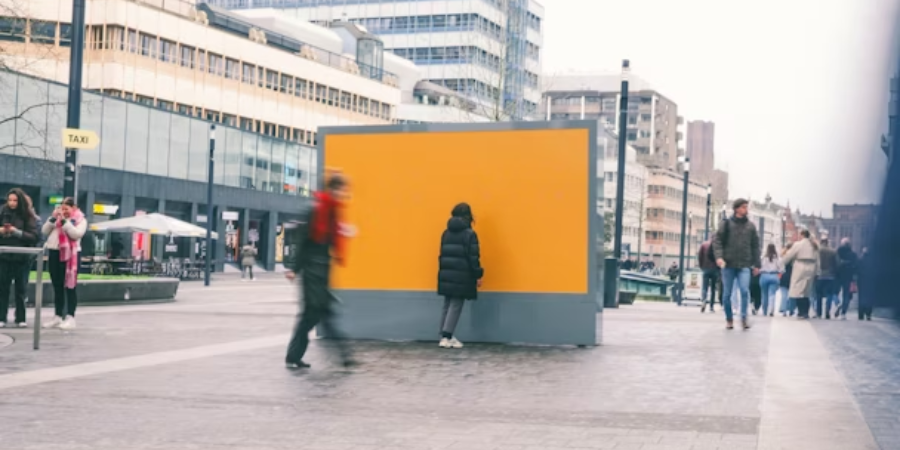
{"type": "Point", "coordinates": [114, 291]}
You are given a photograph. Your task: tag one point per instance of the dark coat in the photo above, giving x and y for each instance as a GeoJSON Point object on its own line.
{"type": "Point", "coordinates": [460, 261]}
{"type": "Point", "coordinates": [737, 242]}
{"type": "Point", "coordinates": [848, 263]}
{"type": "Point", "coordinates": [785, 281]}
{"type": "Point", "coordinates": [29, 237]}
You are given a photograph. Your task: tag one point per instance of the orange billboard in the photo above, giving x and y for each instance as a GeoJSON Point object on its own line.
{"type": "Point", "coordinates": [529, 191]}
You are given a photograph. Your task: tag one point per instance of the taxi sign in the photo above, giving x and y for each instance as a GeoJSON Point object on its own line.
{"type": "Point", "coordinates": [79, 139]}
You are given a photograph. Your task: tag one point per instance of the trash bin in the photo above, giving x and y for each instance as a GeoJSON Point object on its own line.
{"type": "Point", "coordinates": [610, 283]}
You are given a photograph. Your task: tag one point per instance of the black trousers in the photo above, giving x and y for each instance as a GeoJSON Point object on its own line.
{"type": "Point", "coordinates": [13, 273]}
{"type": "Point", "coordinates": [318, 302]}
{"type": "Point", "coordinates": [245, 270]}
{"type": "Point", "coordinates": [65, 300]}
{"type": "Point", "coordinates": [803, 307]}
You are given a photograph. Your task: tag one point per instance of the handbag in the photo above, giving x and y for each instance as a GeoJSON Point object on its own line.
{"type": "Point", "coordinates": [853, 287]}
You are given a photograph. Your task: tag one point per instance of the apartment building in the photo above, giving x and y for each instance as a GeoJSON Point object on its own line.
{"type": "Point", "coordinates": [635, 188]}
{"type": "Point", "coordinates": [653, 119]}
{"type": "Point", "coordinates": [488, 50]}
{"type": "Point", "coordinates": [662, 226]}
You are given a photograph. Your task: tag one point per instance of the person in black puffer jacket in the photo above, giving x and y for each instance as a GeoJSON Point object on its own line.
{"type": "Point", "coordinates": [788, 306]}
{"type": "Point", "coordinates": [460, 271]}
{"type": "Point", "coordinates": [17, 229]}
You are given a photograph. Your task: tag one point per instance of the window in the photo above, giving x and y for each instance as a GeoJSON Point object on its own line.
{"type": "Point", "coordinates": [162, 104]}
{"type": "Point", "coordinates": [287, 84]}
{"type": "Point", "coordinates": [333, 97]}
{"type": "Point", "coordinates": [65, 35]}
{"type": "Point", "coordinates": [166, 50]}
{"type": "Point", "coordinates": [260, 76]}
{"type": "Point", "coordinates": [632, 136]}
{"type": "Point", "coordinates": [215, 64]}
{"type": "Point", "coordinates": [645, 117]}
{"type": "Point", "coordinates": [148, 45]}
{"type": "Point", "coordinates": [248, 71]}
{"type": "Point", "coordinates": [231, 69]}
{"type": "Point", "coordinates": [271, 80]}
{"type": "Point", "coordinates": [321, 93]}
{"type": "Point", "coordinates": [186, 110]}
{"type": "Point", "coordinates": [12, 29]}
{"type": "Point", "coordinates": [212, 116]}
{"type": "Point", "coordinates": [247, 124]}
{"type": "Point", "coordinates": [187, 56]}
{"type": "Point", "coordinates": [345, 100]}
{"type": "Point", "coordinates": [43, 32]}
{"type": "Point", "coordinates": [132, 41]}
{"type": "Point", "coordinates": [144, 100]}
{"type": "Point", "coordinates": [300, 88]}
{"type": "Point", "coordinates": [229, 119]}
{"type": "Point", "coordinates": [201, 60]}
{"type": "Point", "coordinates": [364, 105]}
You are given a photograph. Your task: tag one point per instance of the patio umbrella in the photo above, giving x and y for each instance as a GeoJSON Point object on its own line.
{"type": "Point", "coordinates": [158, 224]}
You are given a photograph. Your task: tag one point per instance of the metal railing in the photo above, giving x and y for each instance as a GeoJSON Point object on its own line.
{"type": "Point", "coordinates": [38, 285]}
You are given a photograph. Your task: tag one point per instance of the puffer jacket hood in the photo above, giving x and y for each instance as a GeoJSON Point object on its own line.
{"type": "Point", "coordinates": [457, 224]}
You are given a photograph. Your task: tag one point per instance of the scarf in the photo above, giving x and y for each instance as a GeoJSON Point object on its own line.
{"type": "Point", "coordinates": [67, 250]}
{"type": "Point", "coordinates": [325, 227]}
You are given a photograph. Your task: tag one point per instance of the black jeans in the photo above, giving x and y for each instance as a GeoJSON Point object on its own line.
{"type": "Point", "coordinates": [307, 320]}
{"type": "Point", "coordinates": [13, 272]}
{"type": "Point", "coordinates": [65, 300]}
{"type": "Point", "coordinates": [803, 307]}
{"type": "Point", "coordinates": [710, 287]}
{"type": "Point", "coordinates": [245, 270]}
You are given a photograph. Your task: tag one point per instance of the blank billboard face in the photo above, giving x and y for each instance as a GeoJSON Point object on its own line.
{"type": "Point", "coordinates": [529, 191]}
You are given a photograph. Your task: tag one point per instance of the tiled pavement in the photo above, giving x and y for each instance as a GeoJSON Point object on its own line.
{"type": "Point", "coordinates": [205, 373]}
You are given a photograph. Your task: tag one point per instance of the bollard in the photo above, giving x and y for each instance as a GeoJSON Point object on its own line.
{"type": "Point", "coordinates": [610, 283]}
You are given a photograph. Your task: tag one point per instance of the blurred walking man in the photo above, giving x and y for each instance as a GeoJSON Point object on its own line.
{"type": "Point", "coordinates": [316, 240]}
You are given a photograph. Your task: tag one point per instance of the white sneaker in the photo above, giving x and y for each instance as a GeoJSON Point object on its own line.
{"type": "Point", "coordinates": [53, 323]}
{"type": "Point", "coordinates": [2, 324]}
{"type": "Point", "coordinates": [22, 324]}
{"type": "Point", "coordinates": [445, 343]}
{"type": "Point", "coordinates": [68, 324]}
{"type": "Point", "coordinates": [454, 343]}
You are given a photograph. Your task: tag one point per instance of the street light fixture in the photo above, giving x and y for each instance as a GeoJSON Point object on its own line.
{"type": "Point", "coordinates": [209, 204]}
{"type": "Point", "coordinates": [708, 210]}
{"type": "Point", "coordinates": [612, 265]}
{"type": "Point", "coordinates": [686, 166]}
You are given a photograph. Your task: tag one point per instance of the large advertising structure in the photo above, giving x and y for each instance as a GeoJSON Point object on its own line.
{"type": "Point", "coordinates": [533, 190]}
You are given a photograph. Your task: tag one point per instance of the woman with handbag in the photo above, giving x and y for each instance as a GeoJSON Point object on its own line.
{"type": "Point", "coordinates": [460, 271]}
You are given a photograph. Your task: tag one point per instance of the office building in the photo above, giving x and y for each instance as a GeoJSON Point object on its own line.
{"type": "Point", "coordinates": [652, 118]}
{"type": "Point", "coordinates": [662, 227]}
{"type": "Point", "coordinates": [701, 137]}
{"type": "Point", "coordinates": [156, 77]}
{"type": "Point", "coordinates": [488, 50]}
{"type": "Point", "coordinates": [854, 222]}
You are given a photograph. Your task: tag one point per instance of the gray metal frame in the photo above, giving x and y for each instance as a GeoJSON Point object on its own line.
{"type": "Point", "coordinates": [563, 315]}
{"type": "Point", "coordinates": [38, 289]}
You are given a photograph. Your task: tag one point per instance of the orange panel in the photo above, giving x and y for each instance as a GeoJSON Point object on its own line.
{"type": "Point", "coordinates": [528, 190]}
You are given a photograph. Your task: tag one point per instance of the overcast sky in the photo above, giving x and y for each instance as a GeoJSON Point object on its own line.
{"type": "Point", "coordinates": [798, 89]}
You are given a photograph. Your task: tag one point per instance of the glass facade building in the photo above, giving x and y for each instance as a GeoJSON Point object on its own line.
{"type": "Point", "coordinates": [148, 140]}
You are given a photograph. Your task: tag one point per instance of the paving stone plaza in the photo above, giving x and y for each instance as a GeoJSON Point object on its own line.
{"type": "Point", "coordinates": [206, 372]}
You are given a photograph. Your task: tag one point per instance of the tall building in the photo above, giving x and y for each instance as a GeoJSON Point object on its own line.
{"type": "Point", "coordinates": [701, 136]}
{"type": "Point", "coordinates": [719, 187]}
{"type": "Point", "coordinates": [635, 190]}
{"type": "Point", "coordinates": [489, 50]}
{"type": "Point", "coordinates": [652, 118]}
{"type": "Point", "coordinates": [855, 222]}
{"type": "Point", "coordinates": [662, 227]}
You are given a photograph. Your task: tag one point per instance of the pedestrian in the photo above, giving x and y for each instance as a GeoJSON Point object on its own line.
{"type": "Point", "coordinates": [804, 255]}
{"type": "Point", "coordinates": [863, 285]}
{"type": "Point", "coordinates": [756, 295]}
{"type": "Point", "coordinates": [460, 271]}
{"type": "Point", "coordinates": [673, 272]}
{"type": "Point", "coordinates": [736, 246]}
{"type": "Point", "coordinates": [707, 258]}
{"type": "Point", "coordinates": [770, 271]}
{"type": "Point", "coordinates": [248, 260]}
{"type": "Point", "coordinates": [826, 284]}
{"type": "Point", "coordinates": [64, 231]}
{"type": "Point", "coordinates": [788, 306]}
{"type": "Point", "coordinates": [18, 230]}
{"type": "Point", "coordinates": [317, 240]}
{"type": "Point", "coordinates": [848, 264]}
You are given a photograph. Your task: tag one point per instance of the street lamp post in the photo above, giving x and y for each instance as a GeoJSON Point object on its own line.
{"type": "Point", "coordinates": [690, 236]}
{"type": "Point", "coordinates": [612, 268]}
{"type": "Point", "coordinates": [73, 114]}
{"type": "Point", "coordinates": [209, 203]}
{"type": "Point", "coordinates": [708, 210]}
{"type": "Point", "coordinates": [686, 164]}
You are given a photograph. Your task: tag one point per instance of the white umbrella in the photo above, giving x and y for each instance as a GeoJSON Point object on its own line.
{"type": "Point", "coordinates": [159, 224]}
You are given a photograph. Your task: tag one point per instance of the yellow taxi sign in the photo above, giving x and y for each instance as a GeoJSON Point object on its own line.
{"type": "Point", "coordinates": [79, 139]}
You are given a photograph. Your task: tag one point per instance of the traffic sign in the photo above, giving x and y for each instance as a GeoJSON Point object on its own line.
{"type": "Point", "coordinates": [79, 139]}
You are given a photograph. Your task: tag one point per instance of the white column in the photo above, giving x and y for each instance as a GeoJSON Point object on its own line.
{"type": "Point", "coordinates": [582, 107]}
